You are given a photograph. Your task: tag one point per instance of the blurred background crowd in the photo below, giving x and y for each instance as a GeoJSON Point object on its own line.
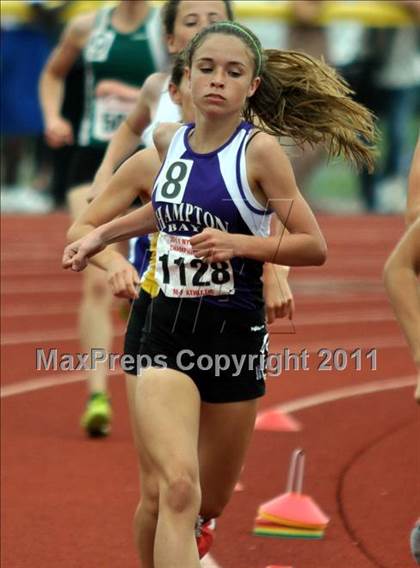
{"type": "Point", "coordinates": [375, 45]}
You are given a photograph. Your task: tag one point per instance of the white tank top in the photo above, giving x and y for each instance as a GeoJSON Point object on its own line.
{"type": "Point", "coordinates": [166, 111]}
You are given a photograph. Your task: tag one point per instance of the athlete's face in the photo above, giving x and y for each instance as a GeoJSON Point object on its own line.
{"type": "Point", "coordinates": [222, 75]}
{"type": "Point", "coordinates": [191, 17]}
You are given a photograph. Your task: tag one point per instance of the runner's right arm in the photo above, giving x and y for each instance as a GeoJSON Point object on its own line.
{"type": "Point", "coordinates": [58, 131]}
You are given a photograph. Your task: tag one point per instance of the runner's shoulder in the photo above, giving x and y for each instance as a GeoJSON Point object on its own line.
{"type": "Point", "coordinates": [154, 84]}
{"type": "Point", "coordinates": [80, 27]}
{"type": "Point", "coordinates": [163, 134]}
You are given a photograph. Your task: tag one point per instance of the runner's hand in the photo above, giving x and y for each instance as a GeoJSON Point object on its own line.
{"type": "Point", "coordinates": [213, 245]}
{"type": "Point", "coordinates": [59, 132]}
{"type": "Point", "coordinates": [278, 298]}
{"type": "Point", "coordinates": [123, 278]}
{"type": "Point", "coordinates": [77, 254]}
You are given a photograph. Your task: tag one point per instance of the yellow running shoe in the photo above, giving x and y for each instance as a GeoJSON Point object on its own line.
{"type": "Point", "coordinates": [96, 419]}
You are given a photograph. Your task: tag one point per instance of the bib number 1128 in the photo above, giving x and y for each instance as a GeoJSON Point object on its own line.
{"type": "Point", "coordinates": [219, 271]}
{"type": "Point", "coordinates": [180, 273]}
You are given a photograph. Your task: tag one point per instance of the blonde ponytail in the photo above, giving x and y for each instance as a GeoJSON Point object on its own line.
{"type": "Point", "coordinates": [305, 99]}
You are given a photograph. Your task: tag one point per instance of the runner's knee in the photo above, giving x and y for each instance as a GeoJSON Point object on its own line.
{"type": "Point", "coordinates": [181, 490]}
{"type": "Point", "coordinates": [97, 288]}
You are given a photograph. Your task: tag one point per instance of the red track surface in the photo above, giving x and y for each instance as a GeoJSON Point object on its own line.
{"type": "Point", "coordinates": [68, 501]}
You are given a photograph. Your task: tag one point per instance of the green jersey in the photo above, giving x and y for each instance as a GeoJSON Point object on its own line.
{"type": "Point", "coordinates": [129, 58]}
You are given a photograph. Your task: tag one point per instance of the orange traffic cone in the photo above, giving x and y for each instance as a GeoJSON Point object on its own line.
{"type": "Point", "coordinates": [276, 421]}
{"type": "Point", "coordinates": [292, 514]}
{"type": "Point", "coordinates": [294, 510]}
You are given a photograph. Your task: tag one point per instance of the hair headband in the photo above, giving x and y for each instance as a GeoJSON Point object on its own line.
{"type": "Point", "coordinates": [251, 39]}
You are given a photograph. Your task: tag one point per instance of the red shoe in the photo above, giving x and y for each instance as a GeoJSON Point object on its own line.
{"type": "Point", "coordinates": [204, 535]}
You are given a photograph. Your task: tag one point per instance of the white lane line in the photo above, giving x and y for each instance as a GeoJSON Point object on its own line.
{"type": "Point", "coordinates": [46, 336]}
{"type": "Point", "coordinates": [36, 254]}
{"type": "Point", "coordinates": [46, 382]}
{"type": "Point", "coordinates": [345, 392]}
{"type": "Point", "coordinates": [17, 269]}
{"type": "Point", "coordinates": [286, 407]}
{"type": "Point", "coordinates": [29, 287]}
{"type": "Point", "coordinates": [316, 309]}
{"type": "Point", "coordinates": [68, 334]}
{"type": "Point", "coordinates": [319, 316]}
{"type": "Point", "coordinates": [285, 333]}
{"type": "Point", "coordinates": [379, 342]}
{"type": "Point", "coordinates": [37, 310]}
{"type": "Point", "coordinates": [19, 338]}
{"type": "Point", "coordinates": [40, 383]}
{"type": "Point", "coordinates": [29, 272]}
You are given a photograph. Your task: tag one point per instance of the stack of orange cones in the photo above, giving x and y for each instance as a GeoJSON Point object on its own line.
{"type": "Point", "coordinates": [292, 514]}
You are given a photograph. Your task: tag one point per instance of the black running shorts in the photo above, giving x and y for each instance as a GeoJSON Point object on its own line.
{"type": "Point", "coordinates": [224, 351]}
{"type": "Point", "coordinates": [135, 325]}
{"type": "Point", "coordinates": [84, 165]}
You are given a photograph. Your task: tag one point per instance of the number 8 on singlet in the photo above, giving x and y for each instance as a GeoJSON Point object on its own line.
{"type": "Point", "coordinates": [173, 181]}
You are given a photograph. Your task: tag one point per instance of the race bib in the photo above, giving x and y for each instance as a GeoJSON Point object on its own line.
{"type": "Point", "coordinates": [172, 181]}
{"type": "Point", "coordinates": [181, 274]}
{"type": "Point", "coordinates": [99, 45]}
{"type": "Point", "coordinates": [109, 113]}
